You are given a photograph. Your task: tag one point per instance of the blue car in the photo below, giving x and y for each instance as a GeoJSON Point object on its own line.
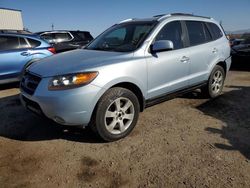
{"type": "Point", "coordinates": [18, 51]}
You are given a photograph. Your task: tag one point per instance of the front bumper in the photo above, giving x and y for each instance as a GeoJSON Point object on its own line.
{"type": "Point", "coordinates": [67, 107]}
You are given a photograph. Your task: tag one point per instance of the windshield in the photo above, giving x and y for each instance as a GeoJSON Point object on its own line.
{"type": "Point", "coordinates": [125, 37]}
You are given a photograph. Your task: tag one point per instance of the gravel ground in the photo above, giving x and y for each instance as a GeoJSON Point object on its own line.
{"type": "Point", "coordinates": [186, 142]}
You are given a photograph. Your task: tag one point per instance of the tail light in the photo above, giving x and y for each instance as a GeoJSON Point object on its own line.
{"type": "Point", "coordinates": [52, 50]}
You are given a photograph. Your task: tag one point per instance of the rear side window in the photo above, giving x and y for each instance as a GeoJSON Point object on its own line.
{"type": "Point", "coordinates": [173, 32]}
{"type": "Point", "coordinates": [207, 33]}
{"type": "Point", "coordinates": [196, 33]}
{"type": "Point", "coordinates": [216, 31]}
{"type": "Point", "coordinates": [23, 44]}
{"type": "Point", "coordinates": [81, 35]}
{"type": "Point", "coordinates": [84, 35]}
{"type": "Point", "coordinates": [48, 37]}
{"type": "Point", "coordinates": [34, 43]}
{"type": "Point", "coordinates": [88, 35]}
{"type": "Point", "coordinates": [62, 37]}
{"type": "Point", "coordinates": [9, 43]}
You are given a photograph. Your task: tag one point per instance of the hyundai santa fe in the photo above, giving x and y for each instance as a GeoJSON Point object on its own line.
{"type": "Point", "coordinates": [132, 65]}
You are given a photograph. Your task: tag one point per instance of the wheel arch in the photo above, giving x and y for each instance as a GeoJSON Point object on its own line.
{"type": "Point", "coordinates": [135, 89]}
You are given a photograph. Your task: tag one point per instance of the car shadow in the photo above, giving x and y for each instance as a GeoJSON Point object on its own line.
{"type": "Point", "coordinates": [19, 124]}
{"type": "Point", "coordinates": [9, 86]}
{"type": "Point", "coordinates": [233, 109]}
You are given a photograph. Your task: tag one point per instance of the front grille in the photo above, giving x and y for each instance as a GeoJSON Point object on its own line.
{"type": "Point", "coordinates": [29, 83]}
{"type": "Point", "coordinates": [33, 106]}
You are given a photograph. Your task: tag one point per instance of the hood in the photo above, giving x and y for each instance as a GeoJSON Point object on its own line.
{"type": "Point", "coordinates": [76, 61]}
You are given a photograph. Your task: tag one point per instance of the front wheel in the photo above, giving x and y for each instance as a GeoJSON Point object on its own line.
{"type": "Point", "coordinates": [215, 83]}
{"type": "Point", "coordinates": [116, 114]}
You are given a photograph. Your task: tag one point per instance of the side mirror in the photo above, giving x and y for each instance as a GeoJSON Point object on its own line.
{"type": "Point", "coordinates": [162, 45]}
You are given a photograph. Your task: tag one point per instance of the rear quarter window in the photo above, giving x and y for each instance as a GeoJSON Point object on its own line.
{"type": "Point", "coordinates": [34, 43]}
{"type": "Point", "coordinates": [215, 30]}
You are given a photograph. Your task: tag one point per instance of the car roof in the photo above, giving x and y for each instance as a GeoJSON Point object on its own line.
{"type": "Point", "coordinates": [55, 31]}
{"type": "Point", "coordinates": [34, 36]}
{"type": "Point", "coordinates": [19, 34]}
{"type": "Point", "coordinates": [162, 17]}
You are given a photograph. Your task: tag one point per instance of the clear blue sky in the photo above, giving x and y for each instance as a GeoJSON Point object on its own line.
{"type": "Point", "coordinates": [97, 15]}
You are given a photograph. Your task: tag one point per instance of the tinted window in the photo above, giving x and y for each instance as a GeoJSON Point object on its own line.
{"type": "Point", "coordinates": [84, 35]}
{"type": "Point", "coordinates": [81, 35]}
{"type": "Point", "coordinates": [116, 37]}
{"type": "Point", "coordinates": [217, 33]}
{"type": "Point", "coordinates": [173, 32]}
{"type": "Point", "coordinates": [8, 43]}
{"type": "Point", "coordinates": [62, 37]}
{"type": "Point", "coordinates": [88, 35]}
{"type": "Point", "coordinates": [195, 32]}
{"type": "Point", "coordinates": [207, 33]}
{"type": "Point", "coordinates": [34, 43]}
{"type": "Point", "coordinates": [23, 43]}
{"type": "Point", "coordinates": [48, 37]}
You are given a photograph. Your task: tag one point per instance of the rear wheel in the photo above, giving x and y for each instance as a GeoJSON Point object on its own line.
{"type": "Point", "coordinates": [116, 114]}
{"type": "Point", "coordinates": [215, 83]}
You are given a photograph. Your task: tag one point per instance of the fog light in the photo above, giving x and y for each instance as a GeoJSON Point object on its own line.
{"type": "Point", "coordinates": [59, 120]}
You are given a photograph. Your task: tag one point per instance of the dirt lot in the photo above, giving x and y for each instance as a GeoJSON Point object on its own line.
{"type": "Point", "coordinates": [186, 142]}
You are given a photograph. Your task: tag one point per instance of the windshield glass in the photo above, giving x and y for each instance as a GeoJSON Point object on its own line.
{"type": "Point", "coordinates": [125, 37]}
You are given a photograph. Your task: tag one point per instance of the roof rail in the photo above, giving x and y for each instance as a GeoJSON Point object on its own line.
{"type": "Point", "coordinates": [163, 16]}
{"type": "Point", "coordinates": [127, 20]}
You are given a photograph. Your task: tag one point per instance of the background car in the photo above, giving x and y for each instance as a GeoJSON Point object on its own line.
{"type": "Point", "coordinates": [241, 51]}
{"type": "Point", "coordinates": [18, 51]}
{"type": "Point", "coordinates": [234, 42]}
{"type": "Point", "coordinates": [66, 40]}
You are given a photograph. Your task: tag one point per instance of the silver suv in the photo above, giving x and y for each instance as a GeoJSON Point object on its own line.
{"type": "Point", "coordinates": [132, 65]}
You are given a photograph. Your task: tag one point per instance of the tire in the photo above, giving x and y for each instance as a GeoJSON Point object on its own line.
{"type": "Point", "coordinates": [215, 83]}
{"type": "Point", "coordinates": [116, 114]}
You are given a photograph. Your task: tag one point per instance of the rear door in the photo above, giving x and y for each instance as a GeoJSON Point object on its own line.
{"type": "Point", "coordinates": [201, 51]}
{"type": "Point", "coordinates": [14, 54]}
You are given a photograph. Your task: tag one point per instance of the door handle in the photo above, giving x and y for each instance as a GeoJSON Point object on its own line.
{"type": "Point", "coordinates": [215, 50]}
{"type": "Point", "coordinates": [25, 54]}
{"type": "Point", "coordinates": [184, 59]}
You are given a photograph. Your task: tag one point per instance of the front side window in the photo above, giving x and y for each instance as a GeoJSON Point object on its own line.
{"type": "Point", "coordinates": [195, 32]}
{"type": "Point", "coordinates": [124, 37]}
{"type": "Point", "coordinates": [173, 32]}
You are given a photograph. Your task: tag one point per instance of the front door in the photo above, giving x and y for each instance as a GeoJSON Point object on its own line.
{"type": "Point", "coordinates": [168, 71]}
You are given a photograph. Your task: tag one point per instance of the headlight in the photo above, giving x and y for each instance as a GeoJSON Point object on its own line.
{"type": "Point", "coordinates": [71, 80]}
